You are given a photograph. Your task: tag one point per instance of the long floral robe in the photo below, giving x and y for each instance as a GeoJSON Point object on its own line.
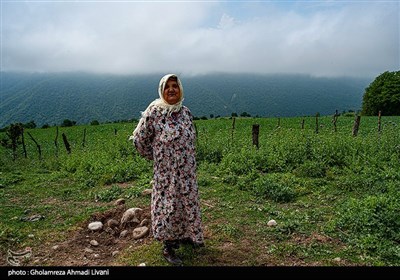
{"type": "Point", "coordinates": [169, 140]}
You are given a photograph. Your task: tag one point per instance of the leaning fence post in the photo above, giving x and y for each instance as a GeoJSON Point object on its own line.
{"type": "Point", "coordinates": [255, 132]}
{"type": "Point", "coordinates": [67, 146]}
{"type": "Point", "coordinates": [37, 145]}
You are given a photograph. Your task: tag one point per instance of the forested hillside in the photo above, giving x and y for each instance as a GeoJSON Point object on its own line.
{"type": "Point", "coordinates": [49, 98]}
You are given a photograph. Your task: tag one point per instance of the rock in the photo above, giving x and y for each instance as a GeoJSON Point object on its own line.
{"type": "Point", "coordinates": [88, 250]}
{"type": "Point", "coordinates": [337, 259]}
{"type": "Point", "coordinates": [123, 233]}
{"type": "Point", "coordinates": [94, 243]}
{"type": "Point", "coordinates": [95, 226]}
{"type": "Point", "coordinates": [272, 223]}
{"type": "Point", "coordinates": [139, 232]}
{"type": "Point", "coordinates": [147, 192]}
{"type": "Point", "coordinates": [112, 223]}
{"type": "Point", "coordinates": [119, 201]}
{"type": "Point", "coordinates": [145, 222]}
{"type": "Point", "coordinates": [131, 215]}
{"type": "Point", "coordinates": [142, 264]}
{"type": "Point", "coordinates": [114, 253]}
{"type": "Point", "coordinates": [32, 218]}
{"type": "Point", "coordinates": [55, 247]}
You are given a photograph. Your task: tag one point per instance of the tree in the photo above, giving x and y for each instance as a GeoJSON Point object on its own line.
{"type": "Point", "coordinates": [15, 135]}
{"type": "Point", "coordinates": [30, 124]}
{"type": "Point", "coordinates": [68, 122]}
{"type": "Point", "coordinates": [383, 94]}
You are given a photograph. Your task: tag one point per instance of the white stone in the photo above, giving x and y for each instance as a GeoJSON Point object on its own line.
{"type": "Point", "coordinates": [95, 226]}
{"type": "Point", "coordinates": [272, 223]}
{"type": "Point", "coordinates": [94, 243]}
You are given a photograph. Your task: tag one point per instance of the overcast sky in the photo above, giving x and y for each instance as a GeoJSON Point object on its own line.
{"type": "Point", "coordinates": [321, 38]}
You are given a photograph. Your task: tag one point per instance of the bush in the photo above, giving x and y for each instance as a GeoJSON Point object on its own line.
{"type": "Point", "coordinates": [279, 189]}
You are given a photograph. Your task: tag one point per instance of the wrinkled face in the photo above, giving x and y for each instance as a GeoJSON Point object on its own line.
{"type": "Point", "coordinates": [172, 92]}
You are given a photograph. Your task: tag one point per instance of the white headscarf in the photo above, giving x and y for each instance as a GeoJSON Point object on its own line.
{"type": "Point", "coordinates": [161, 103]}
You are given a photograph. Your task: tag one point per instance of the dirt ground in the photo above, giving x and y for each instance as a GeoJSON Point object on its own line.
{"type": "Point", "coordinates": [78, 250]}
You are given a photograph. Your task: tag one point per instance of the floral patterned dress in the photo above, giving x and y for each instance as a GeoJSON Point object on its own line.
{"type": "Point", "coordinates": [169, 140]}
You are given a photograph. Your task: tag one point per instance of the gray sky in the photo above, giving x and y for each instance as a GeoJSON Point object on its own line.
{"type": "Point", "coordinates": [321, 38]}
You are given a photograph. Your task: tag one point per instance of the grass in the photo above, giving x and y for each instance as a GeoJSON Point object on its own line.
{"type": "Point", "coordinates": [334, 196]}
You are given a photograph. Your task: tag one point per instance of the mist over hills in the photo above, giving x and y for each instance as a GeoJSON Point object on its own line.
{"type": "Point", "coordinates": [49, 98]}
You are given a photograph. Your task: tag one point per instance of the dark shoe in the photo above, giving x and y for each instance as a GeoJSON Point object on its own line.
{"type": "Point", "coordinates": [173, 244]}
{"type": "Point", "coordinates": [198, 245]}
{"type": "Point", "coordinates": [188, 241]}
{"type": "Point", "coordinates": [171, 257]}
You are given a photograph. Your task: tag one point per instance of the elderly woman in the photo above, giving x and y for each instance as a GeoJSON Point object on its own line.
{"type": "Point", "coordinates": [166, 135]}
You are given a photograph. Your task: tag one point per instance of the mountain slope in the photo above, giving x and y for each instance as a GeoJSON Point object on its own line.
{"type": "Point", "coordinates": [52, 97]}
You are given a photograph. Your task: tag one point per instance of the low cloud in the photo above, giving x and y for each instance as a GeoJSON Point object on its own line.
{"type": "Point", "coordinates": [357, 39]}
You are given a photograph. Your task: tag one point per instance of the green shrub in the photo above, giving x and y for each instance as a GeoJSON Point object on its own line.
{"type": "Point", "coordinates": [275, 187]}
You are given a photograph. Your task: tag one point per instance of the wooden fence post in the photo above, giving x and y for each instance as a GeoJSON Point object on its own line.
{"type": "Point", "coordinates": [84, 138]}
{"type": "Point", "coordinates": [316, 122]}
{"type": "Point", "coordinates": [23, 143]}
{"type": "Point", "coordinates": [379, 121]}
{"type": "Point", "coordinates": [55, 141]}
{"type": "Point", "coordinates": [302, 123]}
{"type": "Point", "coordinates": [67, 146]}
{"type": "Point", "coordinates": [233, 127]}
{"type": "Point", "coordinates": [37, 145]}
{"type": "Point", "coordinates": [255, 132]}
{"type": "Point", "coordinates": [334, 120]}
{"type": "Point", "coordinates": [356, 125]}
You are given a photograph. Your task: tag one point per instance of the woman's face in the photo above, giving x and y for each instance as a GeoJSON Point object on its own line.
{"type": "Point", "coordinates": [172, 92]}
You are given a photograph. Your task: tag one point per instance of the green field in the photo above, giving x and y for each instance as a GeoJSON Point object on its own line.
{"type": "Point", "coordinates": [335, 196]}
